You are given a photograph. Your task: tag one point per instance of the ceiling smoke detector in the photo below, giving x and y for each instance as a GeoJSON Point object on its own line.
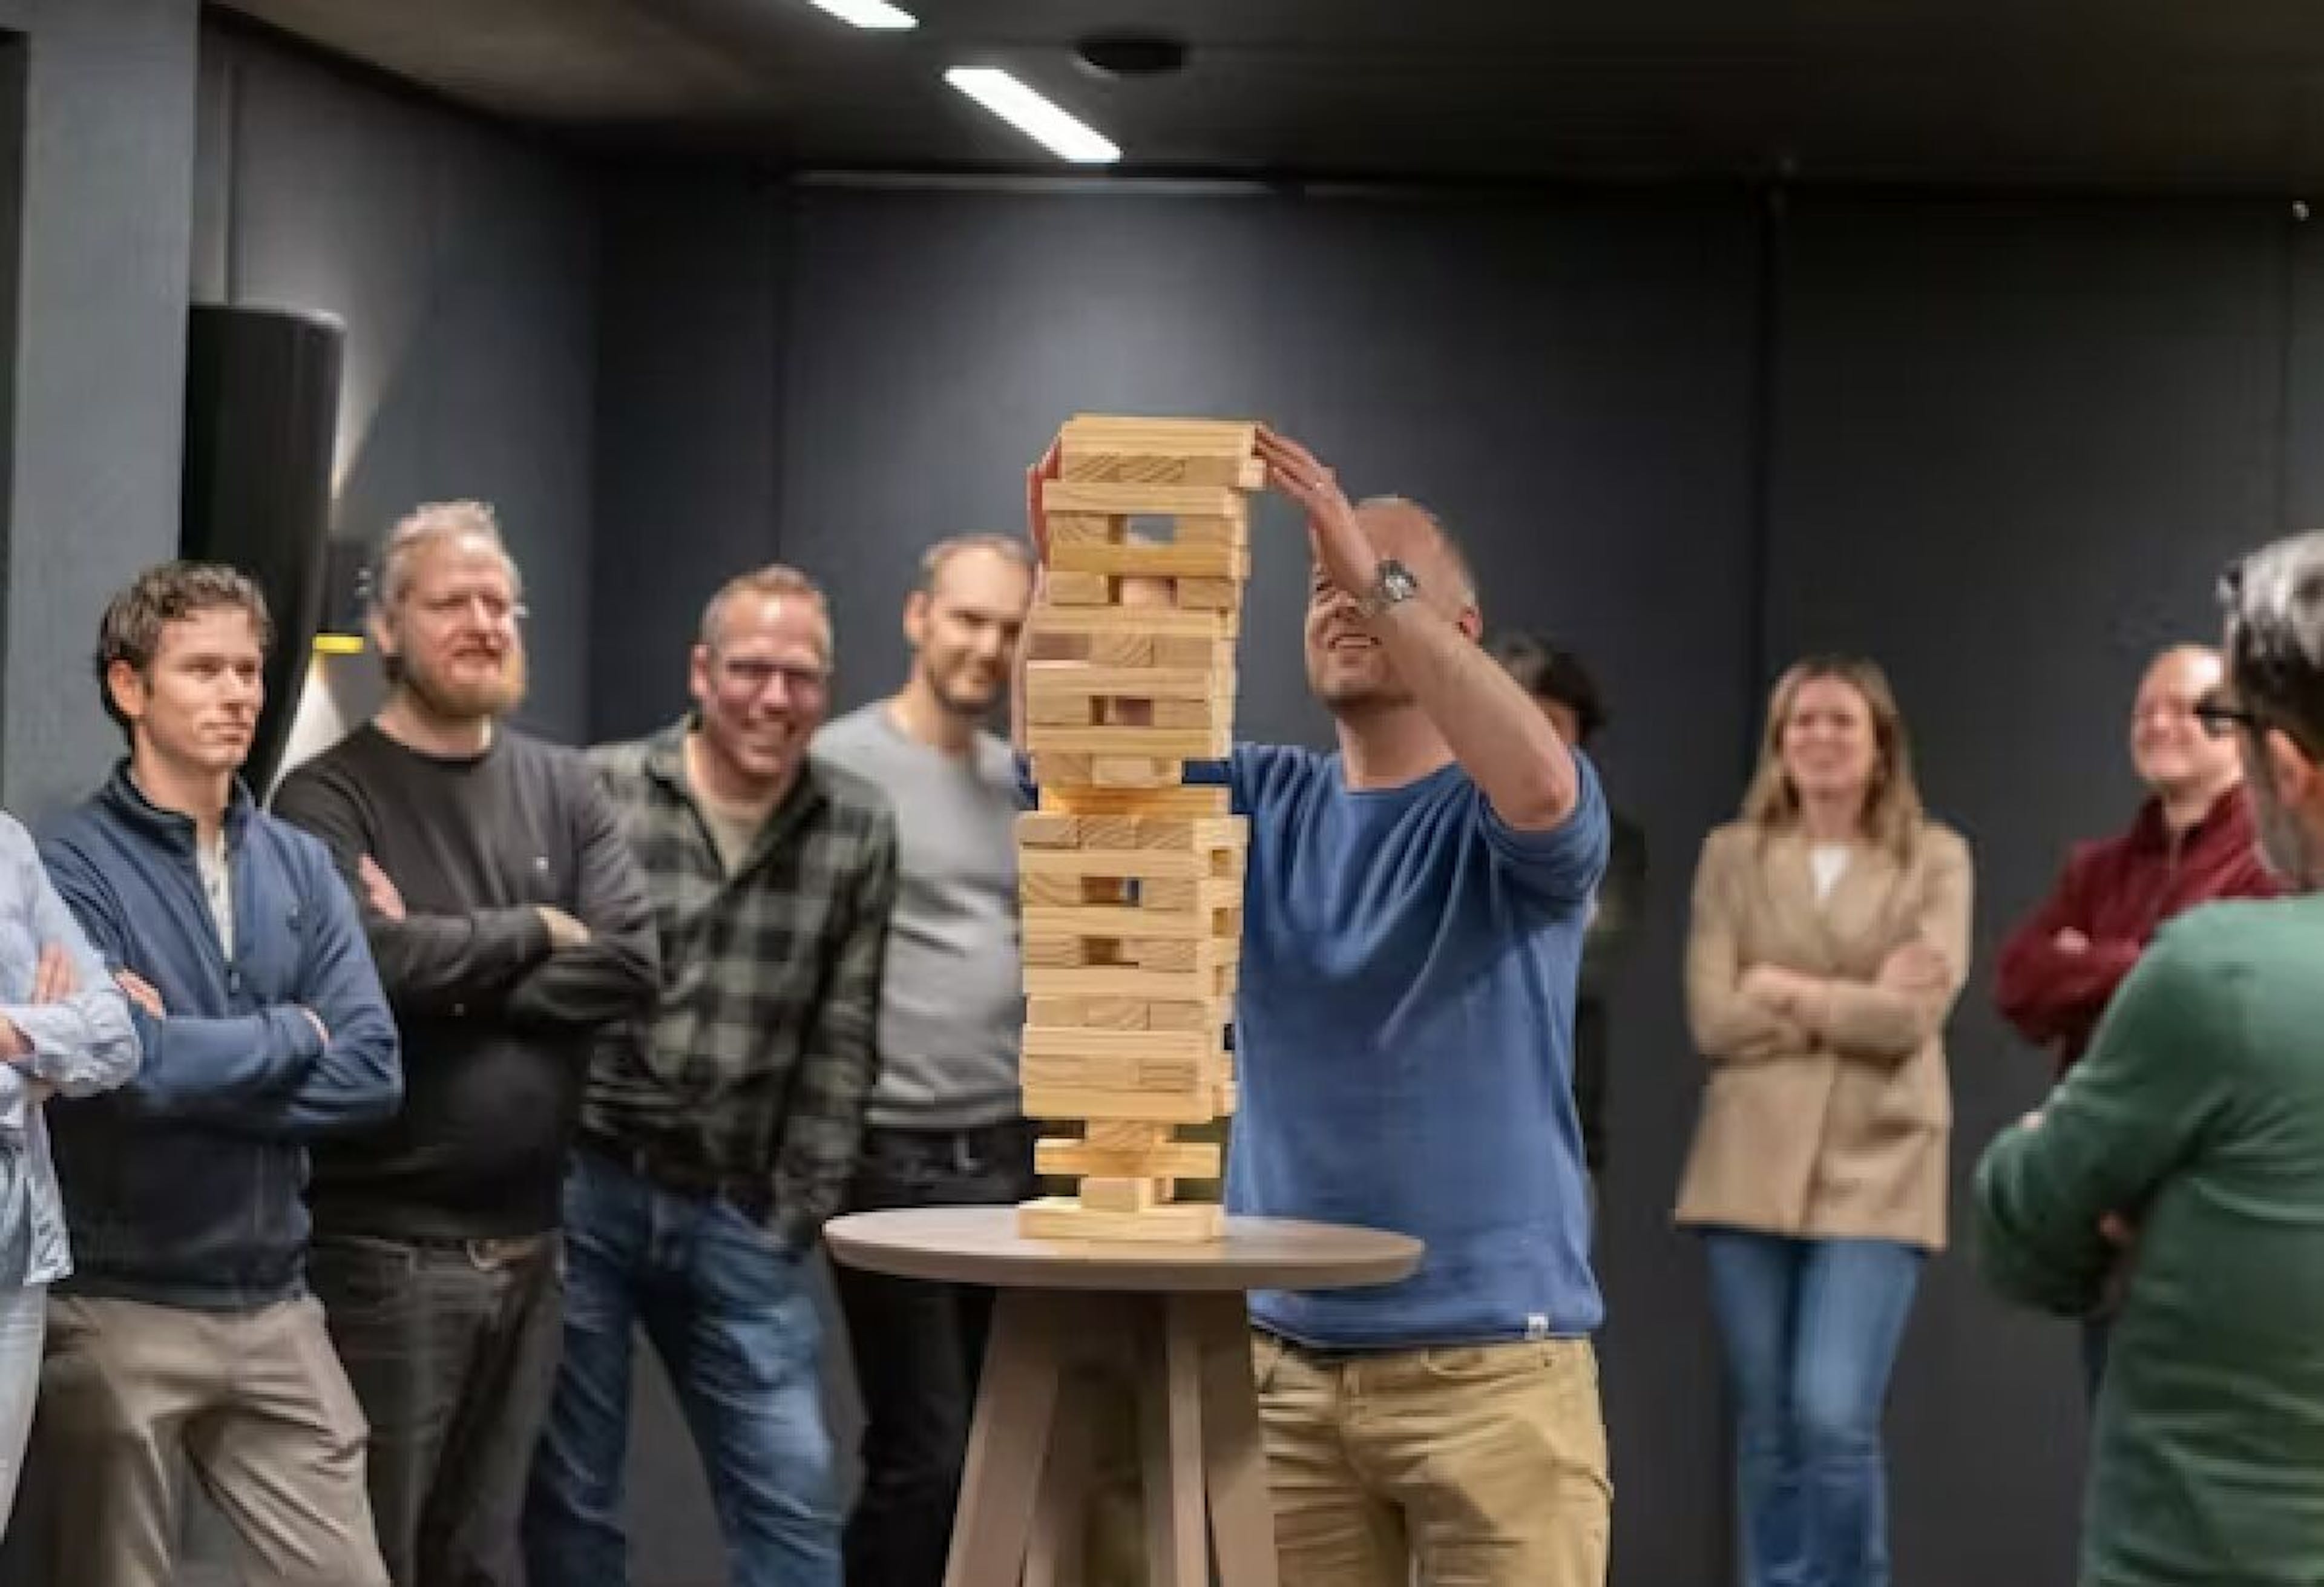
{"type": "Point", "coordinates": [1115, 56]}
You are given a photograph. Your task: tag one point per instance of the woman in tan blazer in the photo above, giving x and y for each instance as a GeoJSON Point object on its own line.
{"type": "Point", "coordinates": [1829, 937]}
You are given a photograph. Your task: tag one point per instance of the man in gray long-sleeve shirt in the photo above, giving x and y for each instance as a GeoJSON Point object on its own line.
{"type": "Point", "coordinates": [943, 1121]}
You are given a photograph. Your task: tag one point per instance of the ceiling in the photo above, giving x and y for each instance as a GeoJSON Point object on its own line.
{"type": "Point", "coordinates": [2200, 94]}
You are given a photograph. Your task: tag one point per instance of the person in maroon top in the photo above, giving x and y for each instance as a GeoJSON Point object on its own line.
{"type": "Point", "coordinates": [2192, 841]}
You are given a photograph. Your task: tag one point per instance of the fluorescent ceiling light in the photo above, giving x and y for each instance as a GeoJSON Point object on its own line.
{"type": "Point", "coordinates": [1062, 133]}
{"type": "Point", "coordinates": [868, 13]}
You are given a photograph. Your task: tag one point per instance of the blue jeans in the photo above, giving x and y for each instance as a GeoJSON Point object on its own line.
{"type": "Point", "coordinates": [731, 1314]}
{"type": "Point", "coordinates": [1810, 1329]}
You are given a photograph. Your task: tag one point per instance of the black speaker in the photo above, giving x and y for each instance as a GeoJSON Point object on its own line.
{"type": "Point", "coordinates": [261, 420]}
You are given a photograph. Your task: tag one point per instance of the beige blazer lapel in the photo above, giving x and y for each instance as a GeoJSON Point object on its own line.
{"type": "Point", "coordinates": [1795, 936]}
{"type": "Point", "coordinates": [1858, 918]}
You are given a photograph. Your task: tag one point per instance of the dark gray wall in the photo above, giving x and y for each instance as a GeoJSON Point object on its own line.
{"type": "Point", "coordinates": [98, 372]}
{"type": "Point", "coordinates": [1573, 388]}
{"type": "Point", "coordinates": [2003, 446]}
{"type": "Point", "coordinates": [461, 258]}
{"type": "Point", "coordinates": [2013, 447]}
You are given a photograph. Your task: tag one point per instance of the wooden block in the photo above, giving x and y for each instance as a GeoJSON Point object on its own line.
{"type": "Point", "coordinates": [1212, 594]}
{"type": "Point", "coordinates": [1061, 711]}
{"type": "Point", "coordinates": [1154, 743]}
{"type": "Point", "coordinates": [1084, 498]}
{"type": "Point", "coordinates": [1206, 895]}
{"type": "Point", "coordinates": [1130, 1137]}
{"type": "Point", "coordinates": [1044, 646]}
{"type": "Point", "coordinates": [1248, 474]}
{"type": "Point", "coordinates": [1173, 865]}
{"type": "Point", "coordinates": [1117, 1075]}
{"type": "Point", "coordinates": [1054, 952]}
{"type": "Point", "coordinates": [1061, 770]}
{"type": "Point", "coordinates": [1205, 834]}
{"type": "Point", "coordinates": [1040, 1101]}
{"type": "Point", "coordinates": [1108, 1193]}
{"type": "Point", "coordinates": [1208, 1014]}
{"type": "Point", "coordinates": [1173, 1159]}
{"type": "Point", "coordinates": [1089, 1013]}
{"type": "Point", "coordinates": [1075, 584]}
{"type": "Point", "coordinates": [1186, 1160]}
{"type": "Point", "coordinates": [1080, 799]}
{"type": "Point", "coordinates": [1121, 649]}
{"type": "Point", "coordinates": [1228, 1098]}
{"type": "Point", "coordinates": [1146, 621]}
{"type": "Point", "coordinates": [1178, 953]}
{"type": "Point", "coordinates": [1194, 437]}
{"type": "Point", "coordinates": [1216, 656]}
{"type": "Point", "coordinates": [1086, 979]}
{"type": "Point", "coordinates": [1044, 829]}
{"type": "Point", "coordinates": [1173, 1048]}
{"type": "Point", "coordinates": [1086, 528]}
{"type": "Point", "coordinates": [1136, 771]}
{"type": "Point", "coordinates": [1085, 680]}
{"type": "Point", "coordinates": [1120, 923]}
{"type": "Point", "coordinates": [1198, 1223]}
{"type": "Point", "coordinates": [1215, 715]}
{"type": "Point", "coordinates": [1220, 563]}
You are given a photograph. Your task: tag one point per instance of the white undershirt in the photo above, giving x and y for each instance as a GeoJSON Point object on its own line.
{"type": "Point", "coordinates": [218, 886]}
{"type": "Point", "coordinates": [1829, 861]}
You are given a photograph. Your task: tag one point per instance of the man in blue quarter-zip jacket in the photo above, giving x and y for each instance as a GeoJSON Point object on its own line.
{"type": "Point", "coordinates": [187, 1329]}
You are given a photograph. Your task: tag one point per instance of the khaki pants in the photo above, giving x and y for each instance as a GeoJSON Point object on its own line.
{"type": "Point", "coordinates": [255, 1403]}
{"type": "Point", "coordinates": [1480, 1466]}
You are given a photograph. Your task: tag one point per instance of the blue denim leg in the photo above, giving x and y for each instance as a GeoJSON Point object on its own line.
{"type": "Point", "coordinates": [573, 1530]}
{"type": "Point", "coordinates": [1855, 1297]}
{"type": "Point", "coordinates": [743, 1344]}
{"type": "Point", "coordinates": [1755, 1283]}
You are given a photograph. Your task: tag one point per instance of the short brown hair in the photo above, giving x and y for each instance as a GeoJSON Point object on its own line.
{"type": "Point", "coordinates": [934, 560]}
{"type": "Point", "coordinates": [131, 628]}
{"type": "Point", "coordinates": [775, 579]}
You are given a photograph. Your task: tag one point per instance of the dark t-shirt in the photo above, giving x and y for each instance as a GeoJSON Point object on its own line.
{"type": "Point", "coordinates": [496, 1025]}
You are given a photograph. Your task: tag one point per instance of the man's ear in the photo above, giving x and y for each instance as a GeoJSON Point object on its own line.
{"type": "Point", "coordinates": [2297, 779]}
{"type": "Point", "coordinates": [383, 631]}
{"type": "Point", "coordinates": [916, 619]}
{"type": "Point", "coordinates": [127, 686]}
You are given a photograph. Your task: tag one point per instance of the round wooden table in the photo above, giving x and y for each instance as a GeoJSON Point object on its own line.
{"type": "Point", "coordinates": [1169, 1318]}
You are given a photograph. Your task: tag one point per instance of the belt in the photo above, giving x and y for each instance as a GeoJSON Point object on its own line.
{"type": "Point", "coordinates": [749, 1194]}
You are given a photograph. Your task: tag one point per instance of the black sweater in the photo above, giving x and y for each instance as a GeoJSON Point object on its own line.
{"type": "Point", "coordinates": [497, 1028]}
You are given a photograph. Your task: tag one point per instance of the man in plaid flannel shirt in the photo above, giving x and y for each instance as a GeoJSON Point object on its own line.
{"type": "Point", "coordinates": [718, 1136]}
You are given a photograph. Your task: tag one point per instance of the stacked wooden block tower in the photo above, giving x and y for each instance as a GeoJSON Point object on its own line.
{"type": "Point", "coordinates": [1132, 881]}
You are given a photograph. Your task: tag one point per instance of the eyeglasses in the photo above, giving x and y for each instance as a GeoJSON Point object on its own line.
{"type": "Point", "coordinates": [755, 674]}
{"type": "Point", "coordinates": [2220, 717]}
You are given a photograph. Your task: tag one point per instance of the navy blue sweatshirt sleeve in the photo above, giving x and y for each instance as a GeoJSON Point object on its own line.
{"type": "Point", "coordinates": [194, 1067]}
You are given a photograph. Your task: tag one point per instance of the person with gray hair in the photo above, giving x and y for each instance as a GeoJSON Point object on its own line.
{"type": "Point", "coordinates": [2179, 1167]}
{"type": "Point", "coordinates": [511, 925]}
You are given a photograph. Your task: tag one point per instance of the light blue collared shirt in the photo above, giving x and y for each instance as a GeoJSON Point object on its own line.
{"type": "Point", "coordinates": [80, 1043]}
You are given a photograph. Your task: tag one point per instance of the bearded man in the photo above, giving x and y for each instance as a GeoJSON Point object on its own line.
{"type": "Point", "coordinates": [511, 925]}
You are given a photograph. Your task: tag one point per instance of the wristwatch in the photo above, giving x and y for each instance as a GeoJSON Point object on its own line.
{"type": "Point", "coordinates": [1392, 585]}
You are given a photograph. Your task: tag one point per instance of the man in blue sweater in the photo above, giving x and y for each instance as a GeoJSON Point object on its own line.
{"type": "Point", "coordinates": [1413, 921]}
{"type": "Point", "coordinates": [186, 1332]}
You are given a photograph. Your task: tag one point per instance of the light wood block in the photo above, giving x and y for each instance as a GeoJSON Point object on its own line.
{"type": "Point", "coordinates": [1121, 649]}
{"type": "Point", "coordinates": [1061, 711]}
{"type": "Point", "coordinates": [1188, 530]}
{"type": "Point", "coordinates": [1159, 743]}
{"type": "Point", "coordinates": [1086, 681]}
{"type": "Point", "coordinates": [1181, 953]}
{"type": "Point", "coordinates": [1061, 770]}
{"type": "Point", "coordinates": [1044, 829]}
{"type": "Point", "coordinates": [1185, 864]}
{"type": "Point", "coordinates": [1172, 1159]}
{"type": "Point", "coordinates": [1181, 1223]}
{"type": "Point", "coordinates": [1137, 772]}
{"type": "Point", "coordinates": [1169, 433]}
{"type": "Point", "coordinates": [1079, 798]}
{"type": "Point", "coordinates": [1084, 528]}
{"type": "Point", "coordinates": [1146, 621]}
{"type": "Point", "coordinates": [1215, 715]}
{"type": "Point", "coordinates": [1072, 1102]}
{"type": "Point", "coordinates": [1213, 656]}
{"type": "Point", "coordinates": [1089, 1013]}
{"type": "Point", "coordinates": [1083, 979]}
{"type": "Point", "coordinates": [1075, 584]}
{"type": "Point", "coordinates": [1055, 951]}
{"type": "Point", "coordinates": [1125, 1049]}
{"type": "Point", "coordinates": [1196, 1014]}
{"type": "Point", "coordinates": [1111, 1194]}
{"type": "Point", "coordinates": [1210, 595]}
{"type": "Point", "coordinates": [1083, 559]}
{"type": "Point", "coordinates": [1248, 474]}
{"type": "Point", "coordinates": [1119, 923]}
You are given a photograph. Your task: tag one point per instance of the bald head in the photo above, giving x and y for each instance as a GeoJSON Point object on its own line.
{"type": "Point", "coordinates": [2175, 757]}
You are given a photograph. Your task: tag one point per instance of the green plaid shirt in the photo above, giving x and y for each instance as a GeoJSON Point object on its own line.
{"type": "Point", "coordinates": [758, 1062]}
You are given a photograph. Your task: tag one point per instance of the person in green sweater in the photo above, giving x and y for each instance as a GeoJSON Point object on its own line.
{"type": "Point", "coordinates": [2181, 1165]}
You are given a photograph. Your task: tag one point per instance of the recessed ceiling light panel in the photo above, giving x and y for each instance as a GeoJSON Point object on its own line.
{"type": "Point", "coordinates": [1058, 130]}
